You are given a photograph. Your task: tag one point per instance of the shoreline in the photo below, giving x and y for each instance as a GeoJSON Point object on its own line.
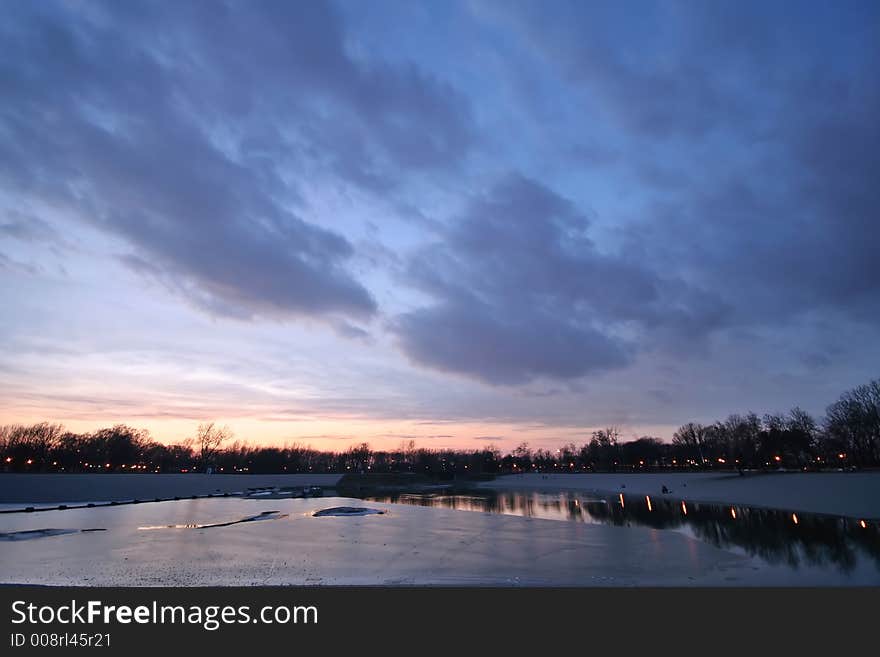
{"type": "Point", "coordinates": [48, 488]}
{"type": "Point", "coordinates": [848, 494]}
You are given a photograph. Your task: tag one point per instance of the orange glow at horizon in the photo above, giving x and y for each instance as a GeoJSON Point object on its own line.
{"type": "Point", "coordinates": [330, 433]}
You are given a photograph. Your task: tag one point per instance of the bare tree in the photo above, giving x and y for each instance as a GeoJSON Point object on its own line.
{"type": "Point", "coordinates": [360, 455]}
{"type": "Point", "coordinates": [408, 451]}
{"type": "Point", "coordinates": [854, 420]}
{"type": "Point", "coordinates": [208, 439]}
{"type": "Point", "coordinates": [603, 447]}
{"type": "Point", "coordinates": [692, 436]}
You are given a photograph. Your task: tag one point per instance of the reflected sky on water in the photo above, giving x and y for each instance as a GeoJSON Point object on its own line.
{"type": "Point", "coordinates": [778, 537]}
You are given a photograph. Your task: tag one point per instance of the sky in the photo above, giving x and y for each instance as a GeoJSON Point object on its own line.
{"type": "Point", "coordinates": [459, 223]}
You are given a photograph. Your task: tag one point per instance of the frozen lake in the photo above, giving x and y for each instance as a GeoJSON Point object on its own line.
{"type": "Point", "coordinates": [493, 538]}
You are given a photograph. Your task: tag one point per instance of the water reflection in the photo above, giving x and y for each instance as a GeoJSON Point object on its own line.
{"type": "Point", "coordinates": [777, 537]}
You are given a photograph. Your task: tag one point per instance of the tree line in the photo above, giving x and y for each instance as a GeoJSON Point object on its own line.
{"type": "Point", "coordinates": [848, 436]}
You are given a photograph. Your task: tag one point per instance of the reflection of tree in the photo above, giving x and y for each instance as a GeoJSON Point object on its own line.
{"type": "Point", "coordinates": [766, 533]}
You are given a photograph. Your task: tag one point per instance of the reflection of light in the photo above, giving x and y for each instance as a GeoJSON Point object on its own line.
{"type": "Point", "coordinates": [794, 518]}
{"type": "Point", "coordinates": [684, 508]}
{"type": "Point", "coordinates": [863, 524]}
{"type": "Point", "coordinates": [648, 499]}
{"type": "Point", "coordinates": [733, 513]}
{"type": "Point", "coordinates": [621, 500]}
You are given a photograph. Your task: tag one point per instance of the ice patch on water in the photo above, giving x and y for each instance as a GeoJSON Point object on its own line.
{"type": "Point", "coordinates": [28, 534]}
{"type": "Point", "coordinates": [346, 511]}
{"type": "Point", "coordinates": [265, 515]}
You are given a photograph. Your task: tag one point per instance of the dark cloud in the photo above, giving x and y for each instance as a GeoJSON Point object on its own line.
{"type": "Point", "coordinates": [792, 230]}
{"type": "Point", "coordinates": [414, 436]}
{"type": "Point", "coordinates": [753, 132]}
{"type": "Point", "coordinates": [680, 70]}
{"type": "Point", "coordinates": [817, 361]}
{"type": "Point", "coordinates": [13, 265]}
{"type": "Point", "coordinates": [523, 293]}
{"type": "Point", "coordinates": [184, 128]}
{"type": "Point", "coordinates": [598, 49]}
{"type": "Point", "coordinates": [351, 331]}
{"type": "Point", "coordinates": [476, 340]}
{"type": "Point", "coordinates": [27, 228]}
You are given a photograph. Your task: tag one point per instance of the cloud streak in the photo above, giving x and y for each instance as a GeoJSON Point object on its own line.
{"type": "Point", "coordinates": [189, 145]}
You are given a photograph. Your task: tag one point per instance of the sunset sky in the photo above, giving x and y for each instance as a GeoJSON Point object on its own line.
{"type": "Point", "coordinates": [453, 222]}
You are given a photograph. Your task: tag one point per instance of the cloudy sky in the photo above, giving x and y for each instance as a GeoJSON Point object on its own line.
{"type": "Point", "coordinates": [454, 222]}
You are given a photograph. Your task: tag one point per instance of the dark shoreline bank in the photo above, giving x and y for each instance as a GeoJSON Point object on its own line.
{"type": "Point", "coordinates": [82, 488]}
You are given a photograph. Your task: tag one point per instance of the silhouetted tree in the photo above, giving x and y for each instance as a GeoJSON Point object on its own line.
{"type": "Point", "coordinates": [208, 439]}
{"type": "Point", "coordinates": [692, 437]}
{"type": "Point", "coordinates": [850, 434]}
{"type": "Point", "coordinates": [854, 420]}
